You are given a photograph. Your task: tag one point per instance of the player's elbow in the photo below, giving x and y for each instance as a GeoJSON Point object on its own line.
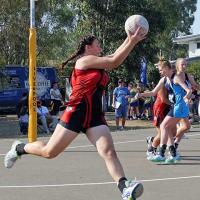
{"type": "Point", "coordinates": [113, 65]}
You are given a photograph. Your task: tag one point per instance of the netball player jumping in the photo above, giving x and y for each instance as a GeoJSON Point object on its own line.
{"type": "Point", "coordinates": [84, 112]}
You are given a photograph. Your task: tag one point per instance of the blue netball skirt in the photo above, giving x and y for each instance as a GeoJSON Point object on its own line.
{"type": "Point", "coordinates": [180, 110]}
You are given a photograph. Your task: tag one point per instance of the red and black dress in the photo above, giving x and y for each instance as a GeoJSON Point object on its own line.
{"type": "Point", "coordinates": [160, 110]}
{"type": "Point", "coordinates": [84, 109]}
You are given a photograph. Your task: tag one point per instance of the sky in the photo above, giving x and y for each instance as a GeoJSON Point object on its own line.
{"type": "Point", "coordinates": [196, 25]}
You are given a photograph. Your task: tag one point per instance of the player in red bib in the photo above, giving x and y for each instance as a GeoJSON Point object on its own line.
{"type": "Point", "coordinates": [84, 111]}
{"type": "Point", "coordinates": [160, 109]}
{"type": "Point", "coordinates": [84, 105]}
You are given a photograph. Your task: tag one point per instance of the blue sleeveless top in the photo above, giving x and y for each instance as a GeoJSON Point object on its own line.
{"type": "Point", "coordinates": [181, 109]}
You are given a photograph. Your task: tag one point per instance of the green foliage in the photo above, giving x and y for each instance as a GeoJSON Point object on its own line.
{"type": "Point", "coordinates": [53, 19]}
{"type": "Point", "coordinates": [106, 20]}
{"type": "Point", "coordinates": [194, 69]}
{"type": "Point", "coordinates": [61, 23]}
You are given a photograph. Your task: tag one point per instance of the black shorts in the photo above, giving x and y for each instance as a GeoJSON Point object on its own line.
{"type": "Point", "coordinates": [82, 116]}
{"type": "Point", "coordinates": [77, 126]}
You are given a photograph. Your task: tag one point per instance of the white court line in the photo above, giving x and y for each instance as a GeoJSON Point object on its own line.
{"type": "Point", "coordinates": [125, 142]}
{"type": "Point", "coordinates": [88, 184]}
{"type": "Point", "coordinates": [85, 146]}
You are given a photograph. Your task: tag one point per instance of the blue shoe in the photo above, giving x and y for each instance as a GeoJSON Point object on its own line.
{"type": "Point", "coordinates": [133, 190]}
{"type": "Point", "coordinates": [157, 158]}
{"type": "Point", "coordinates": [178, 156]}
{"type": "Point", "coordinates": [170, 160]}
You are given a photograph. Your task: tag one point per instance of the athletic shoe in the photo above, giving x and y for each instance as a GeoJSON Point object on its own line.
{"type": "Point", "coordinates": [132, 191]}
{"type": "Point", "coordinates": [122, 128]}
{"type": "Point", "coordinates": [170, 160]}
{"type": "Point", "coordinates": [11, 156]}
{"type": "Point", "coordinates": [149, 141]}
{"type": "Point", "coordinates": [157, 158]}
{"type": "Point", "coordinates": [150, 155]}
{"type": "Point", "coordinates": [178, 156]}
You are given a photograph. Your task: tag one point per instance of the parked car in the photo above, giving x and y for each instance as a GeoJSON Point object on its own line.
{"type": "Point", "coordinates": [14, 82]}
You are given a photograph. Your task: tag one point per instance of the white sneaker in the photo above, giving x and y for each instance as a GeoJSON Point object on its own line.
{"type": "Point", "coordinates": [149, 141]}
{"type": "Point", "coordinates": [133, 190]}
{"type": "Point", "coordinates": [150, 155]}
{"type": "Point", "coordinates": [11, 156]}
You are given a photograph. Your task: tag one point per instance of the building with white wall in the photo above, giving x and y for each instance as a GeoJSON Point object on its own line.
{"type": "Point", "coordinates": [193, 42]}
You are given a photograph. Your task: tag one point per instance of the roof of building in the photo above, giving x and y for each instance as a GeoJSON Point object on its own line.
{"type": "Point", "coordinates": [186, 39]}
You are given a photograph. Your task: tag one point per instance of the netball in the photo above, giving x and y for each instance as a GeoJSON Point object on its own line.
{"type": "Point", "coordinates": [134, 21]}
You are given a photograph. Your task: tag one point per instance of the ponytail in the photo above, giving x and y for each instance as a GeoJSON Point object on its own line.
{"type": "Point", "coordinates": [74, 55]}
{"type": "Point", "coordinates": [88, 40]}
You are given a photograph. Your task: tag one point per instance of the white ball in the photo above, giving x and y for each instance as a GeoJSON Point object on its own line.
{"type": "Point", "coordinates": [134, 21]}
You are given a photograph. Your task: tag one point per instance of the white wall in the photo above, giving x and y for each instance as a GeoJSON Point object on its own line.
{"type": "Point", "coordinates": [193, 51]}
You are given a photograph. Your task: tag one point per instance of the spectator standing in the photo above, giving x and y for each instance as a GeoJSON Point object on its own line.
{"type": "Point", "coordinates": [120, 103]}
{"type": "Point", "coordinates": [194, 104]}
{"type": "Point", "coordinates": [133, 110]}
{"type": "Point", "coordinates": [147, 106]}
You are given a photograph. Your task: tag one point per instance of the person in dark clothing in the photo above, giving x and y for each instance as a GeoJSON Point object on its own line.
{"type": "Point", "coordinates": [22, 113]}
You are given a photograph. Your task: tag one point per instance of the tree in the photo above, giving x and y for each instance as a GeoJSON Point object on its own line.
{"type": "Point", "coordinates": [53, 19]}
{"type": "Point", "coordinates": [61, 23]}
{"type": "Point", "coordinates": [106, 20]}
{"type": "Point", "coordinates": [14, 30]}
{"type": "Point", "coordinates": [194, 69]}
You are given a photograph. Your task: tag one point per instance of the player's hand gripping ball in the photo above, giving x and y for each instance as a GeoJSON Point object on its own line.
{"type": "Point", "coordinates": [134, 21]}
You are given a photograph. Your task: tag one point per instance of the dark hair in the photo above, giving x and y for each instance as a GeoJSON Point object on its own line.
{"type": "Point", "coordinates": [121, 79]}
{"type": "Point", "coordinates": [53, 84]}
{"type": "Point", "coordinates": [87, 40]}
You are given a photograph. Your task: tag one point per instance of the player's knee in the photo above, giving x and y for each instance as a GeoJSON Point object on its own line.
{"type": "Point", "coordinates": [108, 153]}
{"type": "Point", "coordinates": [188, 126]}
{"type": "Point", "coordinates": [164, 126]}
{"type": "Point", "coordinates": [49, 154]}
